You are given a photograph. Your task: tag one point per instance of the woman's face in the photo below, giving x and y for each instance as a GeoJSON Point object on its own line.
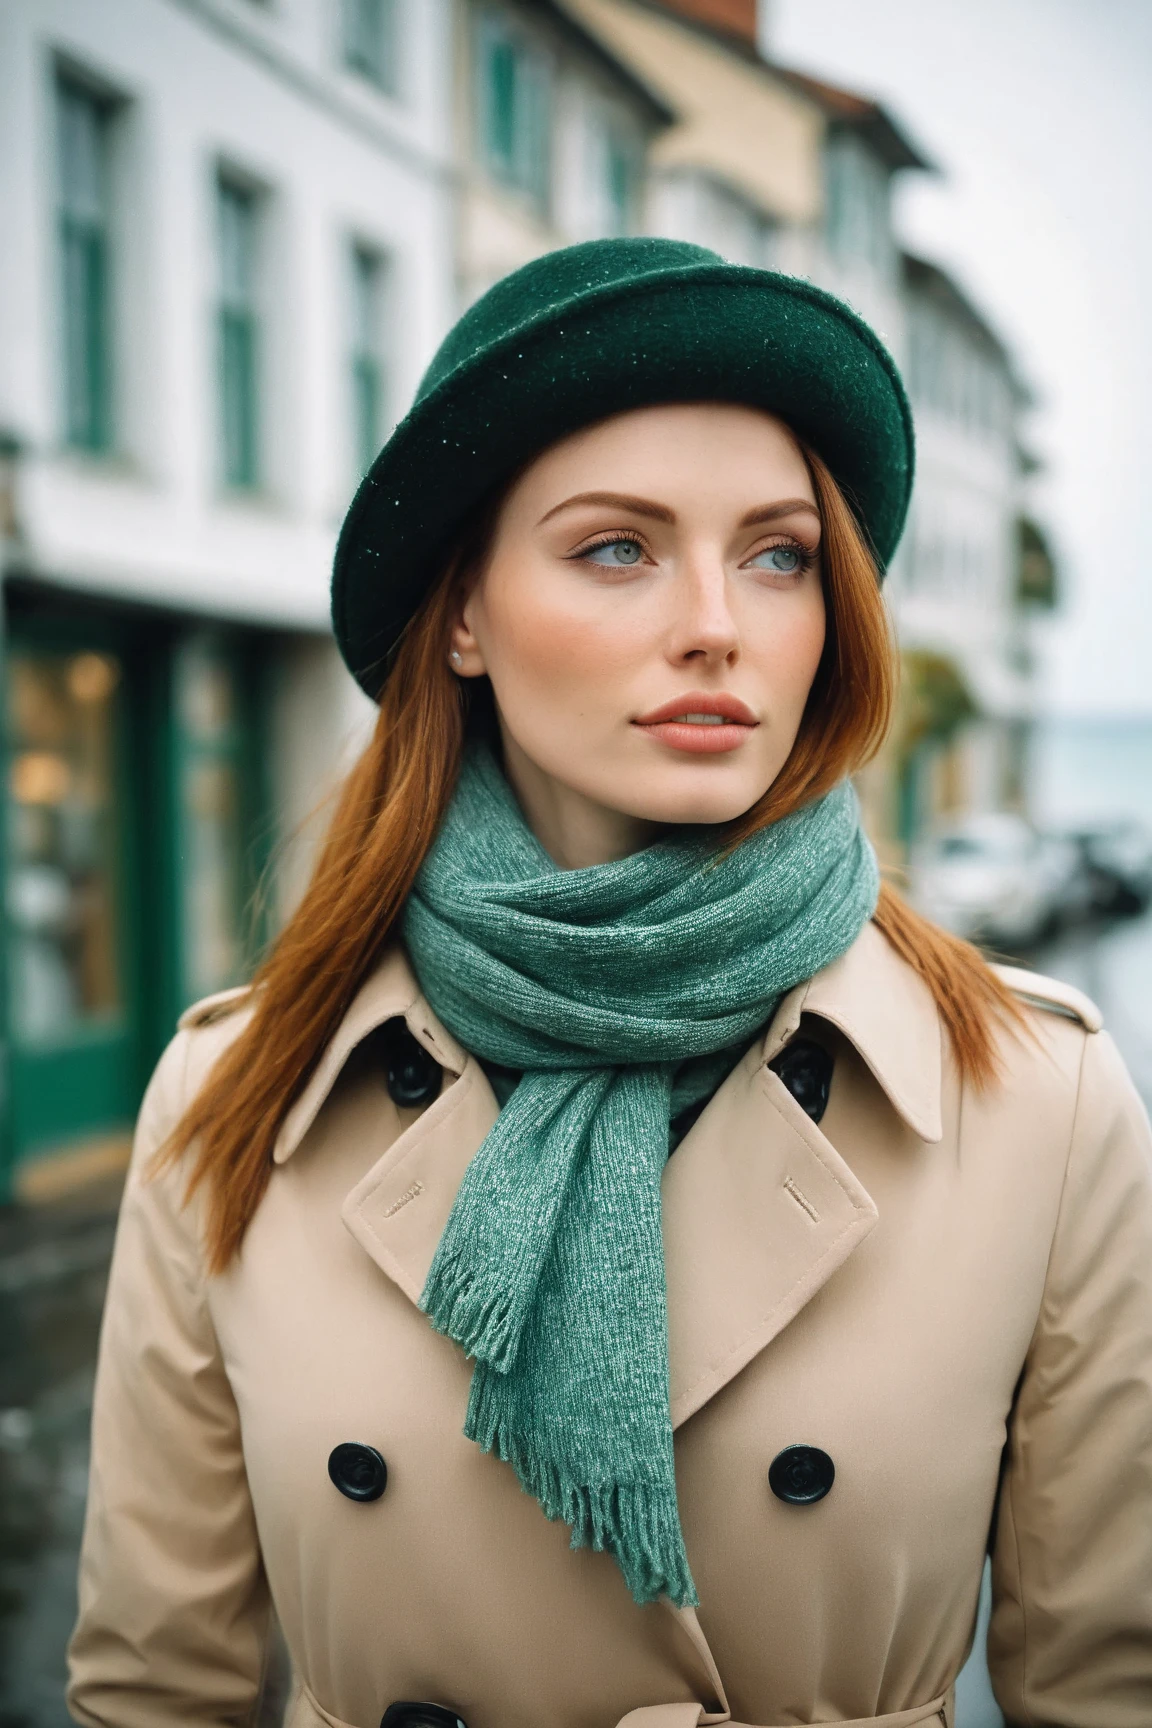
{"type": "Point", "coordinates": [651, 617]}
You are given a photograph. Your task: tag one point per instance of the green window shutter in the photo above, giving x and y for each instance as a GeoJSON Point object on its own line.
{"type": "Point", "coordinates": [238, 336]}
{"type": "Point", "coordinates": [84, 123]}
{"type": "Point", "coordinates": [620, 169]}
{"type": "Point", "coordinates": [500, 92]}
{"type": "Point", "coordinates": [368, 363]}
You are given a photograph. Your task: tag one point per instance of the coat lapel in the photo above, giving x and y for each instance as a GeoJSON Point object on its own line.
{"type": "Point", "coordinates": [759, 1211]}
{"type": "Point", "coordinates": [398, 1211]}
{"type": "Point", "coordinates": [759, 1208]}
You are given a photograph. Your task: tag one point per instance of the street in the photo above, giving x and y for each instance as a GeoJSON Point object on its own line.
{"type": "Point", "coordinates": [53, 1265]}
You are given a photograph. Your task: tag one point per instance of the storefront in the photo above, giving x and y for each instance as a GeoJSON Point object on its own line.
{"type": "Point", "coordinates": [137, 830]}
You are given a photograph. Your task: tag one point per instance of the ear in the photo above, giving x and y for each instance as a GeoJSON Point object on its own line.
{"type": "Point", "coordinates": [462, 642]}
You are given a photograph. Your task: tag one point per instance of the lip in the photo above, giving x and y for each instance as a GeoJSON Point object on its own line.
{"type": "Point", "coordinates": [697, 702]}
{"type": "Point", "coordinates": [736, 723]}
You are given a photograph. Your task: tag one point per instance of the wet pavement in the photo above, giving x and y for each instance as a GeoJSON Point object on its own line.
{"type": "Point", "coordinates": [53, 1267]}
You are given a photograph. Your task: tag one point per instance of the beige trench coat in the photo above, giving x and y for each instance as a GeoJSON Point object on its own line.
{"type": "Point", "coordinates": [949, 1293]}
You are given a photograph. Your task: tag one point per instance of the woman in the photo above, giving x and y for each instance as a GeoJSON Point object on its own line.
{"type": "Point", "coordinates": [617, 1264]}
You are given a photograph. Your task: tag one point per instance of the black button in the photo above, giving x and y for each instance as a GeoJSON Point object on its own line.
{"type": "Point", "coordinates": [801, 1475]}
{"type": "Point", "coordinates": [358, 1471]}
{"type": "Point", "coordinates": [412, 1073]}
{"type": "Point", "coordinates": [404, 1715]}
{"type": "Point", "coordinates": [806, 1070]}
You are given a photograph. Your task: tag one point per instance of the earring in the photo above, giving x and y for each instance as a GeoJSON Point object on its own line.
{"type": "Point", "coordinates": [455, 657]}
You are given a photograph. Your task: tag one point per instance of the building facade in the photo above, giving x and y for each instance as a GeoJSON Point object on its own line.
{"type": "Point", "coordinates": [553, 137]}
{"type": "Point", "coordinates": [228, 254]}
{"type": "Point", "coordinates": [958, 596]}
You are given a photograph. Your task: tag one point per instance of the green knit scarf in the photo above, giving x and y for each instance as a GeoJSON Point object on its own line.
{"type": "Point", "coordinates": [622, 992]}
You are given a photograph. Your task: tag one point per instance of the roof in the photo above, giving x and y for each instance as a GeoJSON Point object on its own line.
{"type": "Point", "coordinates": [864, 115]}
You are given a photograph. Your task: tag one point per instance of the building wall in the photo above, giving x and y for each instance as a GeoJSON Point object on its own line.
{"type": "Point", "coordinates": [137, 559]}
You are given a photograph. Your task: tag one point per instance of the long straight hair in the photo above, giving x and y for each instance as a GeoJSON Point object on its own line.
{"type": "Point", "coordinates": [388, 813]}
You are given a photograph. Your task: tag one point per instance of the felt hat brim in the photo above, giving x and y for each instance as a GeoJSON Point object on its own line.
{"type": "Point", "coordinates": [685, 329]}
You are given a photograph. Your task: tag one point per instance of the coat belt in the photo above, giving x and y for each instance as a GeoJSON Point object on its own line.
{"type": "Point", "coordinates": [692, 1715]}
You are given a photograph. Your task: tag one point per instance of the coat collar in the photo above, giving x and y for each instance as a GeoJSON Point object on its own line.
{"type": "Point", "coordinates": [870, 995]}
{"type": "Point", "coordinates": [753, 1171]}
{"type": "Point", "coordinates": [886, 1011]}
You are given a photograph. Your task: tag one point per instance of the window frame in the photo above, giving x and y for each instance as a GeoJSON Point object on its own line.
{"type": "Point", "coordinates": [378, 65]}
{"type": "Point", "coordinates": [368, 347]}
{"type": "Point", "coordinates": [85, 248]}
{"type": "Point", "coordinates": [239, 336]}
{"type": "Point", "coordinates": [525, 165]}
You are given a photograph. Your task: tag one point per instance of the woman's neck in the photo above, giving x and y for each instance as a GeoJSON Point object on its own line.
{"type": "Point", "coordinates": [575, 831]}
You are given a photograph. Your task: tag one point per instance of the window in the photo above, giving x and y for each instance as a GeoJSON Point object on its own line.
{"type": "Point", "coordinates": [857, 199]}
{"type": "Point", "coordinates": [368, 381]}
{"type": "Point", "coordinates": [513, 108]}
{"type": "Point", "coordinates": [621, 175]}
{"type": "Point", "coordinates": [84, 124]}
{"type": "Point", "coordinates": [370, 40]}
{"type": "Point", "coordinates": [238, 332]}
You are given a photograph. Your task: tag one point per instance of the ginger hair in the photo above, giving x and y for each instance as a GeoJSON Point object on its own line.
{"type": "Point", "coordinates": [387, 815]}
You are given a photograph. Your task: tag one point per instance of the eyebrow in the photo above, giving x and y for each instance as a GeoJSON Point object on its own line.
{"type": "Point", "coordinates": [661, 512]}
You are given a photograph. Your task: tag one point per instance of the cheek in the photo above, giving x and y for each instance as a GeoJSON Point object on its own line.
{"type": "Point", "coordinates": [553, 642]}
{"type": "Point", "coordinates": [785, 646]}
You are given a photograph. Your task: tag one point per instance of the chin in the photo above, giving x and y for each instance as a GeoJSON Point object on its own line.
{"type": "Point", "coordinates": [724, 800]}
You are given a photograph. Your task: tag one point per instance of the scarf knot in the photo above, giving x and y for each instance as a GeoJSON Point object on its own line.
{"type": "Point", "coordinates": [622, 993]}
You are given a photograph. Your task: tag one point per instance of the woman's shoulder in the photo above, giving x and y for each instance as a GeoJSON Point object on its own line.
{"type": "Point", "coordinates": [1042, 995]}
{"type": "Point", "coordinates": [203, 1032]}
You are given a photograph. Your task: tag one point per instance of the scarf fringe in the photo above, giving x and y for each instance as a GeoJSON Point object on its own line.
{"type": "Point", "coordinates": [486, 1323]}
{"type": "Point", "coordinates": [638, 1523]}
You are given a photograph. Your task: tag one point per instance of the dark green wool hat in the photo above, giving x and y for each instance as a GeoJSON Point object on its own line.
{"type": "Point", "coordinates": [592, 331]}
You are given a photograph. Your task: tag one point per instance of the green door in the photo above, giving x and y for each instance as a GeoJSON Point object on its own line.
{"type": "Point", "coordinates": [73, 1010]}
{"type": "Point", "coordinates": [136, 826]}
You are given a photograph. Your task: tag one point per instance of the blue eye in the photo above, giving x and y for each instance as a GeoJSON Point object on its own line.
{"type": "Point", "coordinates": [615, 554]}
{"type": "Point", "coordinates": [785, 560]}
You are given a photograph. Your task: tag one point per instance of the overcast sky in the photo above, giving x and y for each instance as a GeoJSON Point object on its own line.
{"type": "Point", "coordinates": [1039, 113]}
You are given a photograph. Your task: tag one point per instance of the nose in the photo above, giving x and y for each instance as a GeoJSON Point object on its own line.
{"type": "Point", "coordinates": [702, 628]}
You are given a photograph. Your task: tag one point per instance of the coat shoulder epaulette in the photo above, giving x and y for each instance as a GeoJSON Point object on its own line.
{"type": "Point", "coordinates": [1051, 996]}
{"type": "Point", "coordinates": [212, 1008]}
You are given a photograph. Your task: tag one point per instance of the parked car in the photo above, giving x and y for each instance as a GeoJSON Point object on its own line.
{"type": "Point", "coordinates": [1115, 861]}
{"type": "Point", "coordinates": [992, 878]}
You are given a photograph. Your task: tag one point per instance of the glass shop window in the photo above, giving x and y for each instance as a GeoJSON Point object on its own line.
{"type": "Point", "coordinates": [63, 844]}
{"type": "Point", "coordinates": [514, 108]}
{"type": "Point", "coordinates": [84, 133]}
{"type": "Point", "coordinates": [210, 744]}
{"type": "Point", "coordinates": [368, 275]}
{"type": "Point", "coordinates": [371, 41]}
{"type": "Point", "coordinates": [238, 332]}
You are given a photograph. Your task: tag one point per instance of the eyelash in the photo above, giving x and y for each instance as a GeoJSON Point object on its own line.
{"type": "Point", "coordinates": [611, 540]}
{"type": "Point", "coordinates": [808, 555]}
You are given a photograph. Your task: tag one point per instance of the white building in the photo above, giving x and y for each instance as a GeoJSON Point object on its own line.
{"type": "Point", "coordinates": [957, 591]}
{"type": "Point", "coordinates": [228, 254]}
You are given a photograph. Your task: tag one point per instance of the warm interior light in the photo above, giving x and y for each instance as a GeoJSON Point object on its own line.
{"type": "Point", "coordinates": [40, 777]}
{"type": "Point", "coordinates": [92, 677]}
